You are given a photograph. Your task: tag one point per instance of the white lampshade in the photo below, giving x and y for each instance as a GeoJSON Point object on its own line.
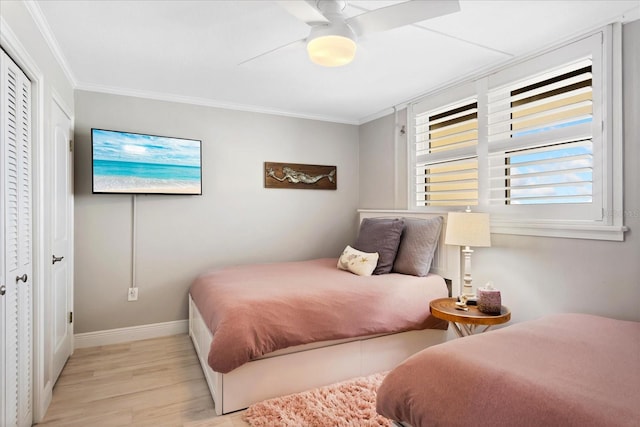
{"type": "Point", "coordinates": [468, 229]}
{"type": "Point", "coordinates": [331, 46]}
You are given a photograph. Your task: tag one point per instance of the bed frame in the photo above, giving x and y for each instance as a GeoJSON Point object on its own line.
{"type": "Point", "coordinates": [304, 367]}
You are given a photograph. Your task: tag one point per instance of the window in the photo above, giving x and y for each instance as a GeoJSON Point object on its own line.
{"type": "Point", "coordinates": [531, 143]}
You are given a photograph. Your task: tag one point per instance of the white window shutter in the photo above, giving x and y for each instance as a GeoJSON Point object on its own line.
{"type": "Point", "coordinates": [540, 138]}
{"type": "Point", "coordinates": [446, 167]}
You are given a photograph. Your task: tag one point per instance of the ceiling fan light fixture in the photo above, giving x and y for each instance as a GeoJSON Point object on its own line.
{"type": "Point", "coordinates": [331, 46]}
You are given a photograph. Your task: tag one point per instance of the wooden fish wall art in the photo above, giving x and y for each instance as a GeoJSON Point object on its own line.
{"type": "Point", "coordinates": [294, 175]}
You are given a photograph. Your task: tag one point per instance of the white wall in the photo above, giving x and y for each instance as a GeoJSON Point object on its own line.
{"type": "Point", "coordinates": [383, 163]}
{"type": "Point", "coordinates": [235, 221]}
{"type": "Point", "coordinates": [539, 275]}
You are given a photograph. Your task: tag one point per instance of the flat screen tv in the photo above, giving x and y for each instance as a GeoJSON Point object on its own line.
{"type": "Point", "coordinates": [135, 163]}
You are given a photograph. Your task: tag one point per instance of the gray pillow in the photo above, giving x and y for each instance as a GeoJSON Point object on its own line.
{"type": "Point", "coordinates": [380, 235]}
{"type": "Point", "coordinates": [418, 245]}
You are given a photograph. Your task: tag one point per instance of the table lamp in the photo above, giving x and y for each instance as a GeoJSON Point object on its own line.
{"type": "Point", "coordinates": [468, 229]}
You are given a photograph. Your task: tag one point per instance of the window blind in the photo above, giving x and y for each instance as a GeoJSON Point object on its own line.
{"type": "Point", "coordinates": [446, 170]}
{"type": "Point", "coordinates": [540, 138]}
{"type": "Point", "coordinates": [561, 173]}
{"type": "Point", "coordinates": [453, 183]}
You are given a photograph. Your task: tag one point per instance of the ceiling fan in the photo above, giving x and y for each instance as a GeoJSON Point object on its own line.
{"type": "Point", "coordinates": [333, 36]}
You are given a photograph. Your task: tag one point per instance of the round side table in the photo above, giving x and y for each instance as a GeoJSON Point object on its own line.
{"type": "Point", "coordinates": [465, 322]}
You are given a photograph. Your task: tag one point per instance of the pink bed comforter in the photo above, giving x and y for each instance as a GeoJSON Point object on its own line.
{"type": "Point", "coordinates": [562, 370]}
{"type": "Point", "coordinates": [253, 310]}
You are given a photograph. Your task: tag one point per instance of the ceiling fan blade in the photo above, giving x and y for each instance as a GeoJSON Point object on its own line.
{"type": "Point", "coordinates": [401, 14]}
{"type": "Point", "coordinates": [284, 46]}
{"type": "Point", "coordinates": [303, 10]}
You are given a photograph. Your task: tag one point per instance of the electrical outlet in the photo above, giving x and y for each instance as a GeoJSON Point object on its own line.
{"type": "Point", "coordinates": [132, 295]}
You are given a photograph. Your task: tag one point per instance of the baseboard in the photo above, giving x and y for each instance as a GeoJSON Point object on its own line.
{"type": "Point", "coordinates": [133, 333]}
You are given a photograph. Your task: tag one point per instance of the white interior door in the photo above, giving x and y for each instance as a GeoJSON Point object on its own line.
{"type": "Point", "coordinates": [15, 246]}
{"type": "Point", "coordinates": [62, 256]}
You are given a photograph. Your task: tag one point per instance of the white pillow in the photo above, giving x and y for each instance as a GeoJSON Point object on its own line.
{"type": "Point", "coordinates": [357, 262]}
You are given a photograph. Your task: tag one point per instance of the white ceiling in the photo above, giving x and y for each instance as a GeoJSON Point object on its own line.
{"type": "Point", "coordinates": [191, 51]}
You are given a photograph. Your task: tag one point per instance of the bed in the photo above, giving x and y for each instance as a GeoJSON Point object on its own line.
{"type": "Point", "coordinates": [255, 368]}
{"type": "Point", "coordinates": [560, 370]}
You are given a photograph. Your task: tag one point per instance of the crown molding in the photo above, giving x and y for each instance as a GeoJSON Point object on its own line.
{"type": "Point", "coordinates": [383, 113]}
{"type": "Point", "coordinates": [630, 15]}
{"type": "Point", "coordinates": [45, 30]}
{"type": "Point", "coordinates": [159, 96]}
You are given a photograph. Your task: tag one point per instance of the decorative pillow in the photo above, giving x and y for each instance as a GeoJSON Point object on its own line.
{"type": "Point", "coordinates": [357, 262]}
{"type": "Point", "coordinates": [417, 246]}
{"type": "Point", "coordinates": [381, 235]}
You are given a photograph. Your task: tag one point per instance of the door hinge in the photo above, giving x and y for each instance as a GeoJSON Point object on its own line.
{"type": "Point", "coordinates": [71, 145]}
{"type": "Point", "coordinates": [71, 317]}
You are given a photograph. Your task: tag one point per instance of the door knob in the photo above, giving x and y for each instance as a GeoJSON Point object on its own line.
{"type": "Point", "coordinates": [3, 290]}
{"type": "Point", "coordinates": [23, 278]}
{"type": "Point", "coordinates": [57, 259]}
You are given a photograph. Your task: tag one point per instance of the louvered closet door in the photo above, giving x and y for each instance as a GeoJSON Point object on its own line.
{"type": "Point", "coordinates": [16, 239]}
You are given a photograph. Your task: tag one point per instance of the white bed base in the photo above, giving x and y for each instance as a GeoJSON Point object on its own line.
{"type": "Point", "coordinates": [302, 369]}
{"type": "Point", "coordinates": [308, 366]}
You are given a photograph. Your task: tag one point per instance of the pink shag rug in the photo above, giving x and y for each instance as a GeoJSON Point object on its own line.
{"type": "Point", "coordinates": [348, 403]}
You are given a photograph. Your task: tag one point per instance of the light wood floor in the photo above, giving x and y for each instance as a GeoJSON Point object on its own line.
{"type": "Point", "coordinates": [155, 382]}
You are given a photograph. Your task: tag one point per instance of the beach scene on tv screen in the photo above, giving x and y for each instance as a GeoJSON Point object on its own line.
{"type": "Point", "coordinates": [135, 163]}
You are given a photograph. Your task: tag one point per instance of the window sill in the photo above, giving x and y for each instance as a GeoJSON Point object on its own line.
{"type": "Point", "coordinates": [564, 230]}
